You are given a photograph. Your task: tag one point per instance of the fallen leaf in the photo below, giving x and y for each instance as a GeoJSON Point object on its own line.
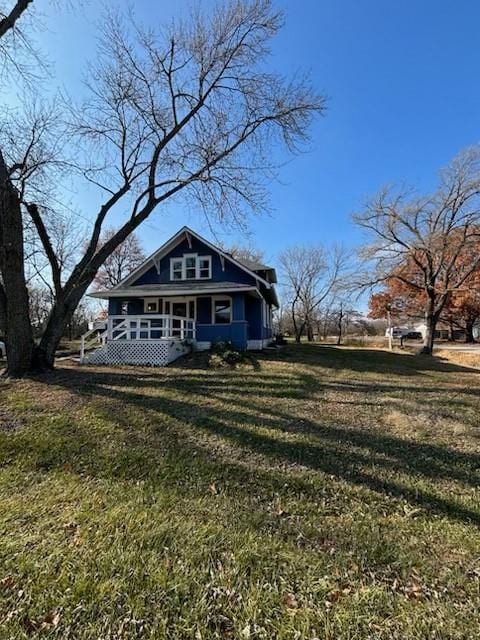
{"type": "Point", "coordinates": [290, 601]}
{"type": "Point", "coordinates": [52, 619]}
{"type": "Point", "coordinates": [8, 582]}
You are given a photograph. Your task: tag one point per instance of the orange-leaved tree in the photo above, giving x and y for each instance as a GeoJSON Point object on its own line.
{"type": "Point", "coordinates": [437, 234]}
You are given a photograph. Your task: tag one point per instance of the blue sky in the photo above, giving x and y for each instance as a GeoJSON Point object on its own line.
{"type": "Point", "coordinates": [401, 78]}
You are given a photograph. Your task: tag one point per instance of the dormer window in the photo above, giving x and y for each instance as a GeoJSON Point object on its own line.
{"type": "Point", "coordinates": [205, 267]}
{"type": "Point", "coordinates": [176, 267]}
{"type": "Point", "coordinates": [191, 267]}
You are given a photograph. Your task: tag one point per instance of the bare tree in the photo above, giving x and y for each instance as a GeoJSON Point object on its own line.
{"type": "Point", "coordinates": [122, 261]}
{"type": "Point", "coordinates": [14, 304]}
{"type": "Point", "coordinates": [189, 111]}
{"type": "Point", "coordinates": [430, 242]}
{"type": "Point", "coordinates": [13, 41]}
{"type": "Point", "coordinates": [309, 275]}
{"type": "Point", "coordinates": [245, 253]}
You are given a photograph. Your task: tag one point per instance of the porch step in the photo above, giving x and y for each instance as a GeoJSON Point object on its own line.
{"type": "Point", "coordinates": [152, 352]}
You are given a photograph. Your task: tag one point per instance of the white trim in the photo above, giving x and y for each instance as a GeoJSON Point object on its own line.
{"type": "Point", "coordinates": [142, 293]}
{"type": "Point", "coordinates": [209, 259]}
{"type": "Point", "coordinates": [266, 314]}
{"type": "Point", "coordinates": [218, 298]}
{"type": "Point", "coordinates": [182, 269]}
{"type": "Point", "coordinates": [156, 264]}
{"type": "Point", "coordinates": [121, 328]}
{"type": "Point", "coordinates": [147, 301]}
{"type": "Point", "coordinates": [185, 299]}
{"type": "Point", "coordinates": [183, 260]}
{"type": "Point", "coordinates": [171, 244]}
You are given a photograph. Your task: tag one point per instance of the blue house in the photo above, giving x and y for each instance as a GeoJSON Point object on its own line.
{"type": "Point", "coordinates": [187, 295]}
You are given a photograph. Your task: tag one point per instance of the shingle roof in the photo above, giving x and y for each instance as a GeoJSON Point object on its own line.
{"type": "Point", "coordinates": [173, 287]}
{"type": "Point", "coordinates": [258, 266]}
{"type": "Point", "coordinates": [254, 266]}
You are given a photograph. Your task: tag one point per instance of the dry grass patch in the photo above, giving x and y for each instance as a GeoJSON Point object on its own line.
{"type": "Point", "coordinates": [324, 493]}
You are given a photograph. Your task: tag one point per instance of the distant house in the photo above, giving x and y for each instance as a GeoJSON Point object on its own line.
{"type": "Point", "coordinates": [396, 332]}
{"type": "Point", "coordinates": [443, 332]}
{"type": "Point", "coordinates": [186, 295]}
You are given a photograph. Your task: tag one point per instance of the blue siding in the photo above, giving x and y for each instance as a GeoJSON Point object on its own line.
{"type": "Point", "coordinates": [236, 333]}
{"type": "Point", "coordinates": [204, 310]}
{"type": "Point", "coordinates": [232, 273]}
{"type": "Point", "coordinates": [254, 316]}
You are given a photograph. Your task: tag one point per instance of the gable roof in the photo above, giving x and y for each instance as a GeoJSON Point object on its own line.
{"type": "Point", "coordinates": [253, 265]}
{"type": "Point", "coordinates": [170, 244]}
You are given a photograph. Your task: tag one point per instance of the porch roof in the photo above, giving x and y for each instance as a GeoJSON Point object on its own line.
{"type": "Point", "coordinates": [175, 289]}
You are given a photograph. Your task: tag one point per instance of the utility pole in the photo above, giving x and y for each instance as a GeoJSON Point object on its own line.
{"type": "Point", "coordinates": [389, 330]}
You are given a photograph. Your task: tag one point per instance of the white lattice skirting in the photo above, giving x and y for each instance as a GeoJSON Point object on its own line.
{"type": "Point", "coordinates": [142, 352]}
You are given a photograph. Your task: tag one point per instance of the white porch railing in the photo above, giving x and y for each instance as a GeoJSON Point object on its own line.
{"type": "Point", "coordinates": [151, 327]}
{"type": "Point", "coordinates": [93, 338]}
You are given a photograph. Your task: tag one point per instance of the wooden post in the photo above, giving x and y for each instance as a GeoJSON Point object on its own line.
{"type": "Point", "coordinates": [82, 349]}
{"type": "Point", "coordinates": [389, 330]}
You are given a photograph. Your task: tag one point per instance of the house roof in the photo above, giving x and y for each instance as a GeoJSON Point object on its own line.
{"type": "Point", "coordinates": [155, 257]}
{"type": "Point", "coordinates": [175, 288]}
{"type": "Point", "coordinates": [258, 266]}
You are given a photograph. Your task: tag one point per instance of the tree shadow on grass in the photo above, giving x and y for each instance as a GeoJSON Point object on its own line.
{"type": "Point", "coordinates": [365, 360]}
{"type": "Point", "coordinates": [383, 463]}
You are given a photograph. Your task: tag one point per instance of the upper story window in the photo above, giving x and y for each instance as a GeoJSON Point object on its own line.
{"type": "Point", "coordinates": [191, 267]}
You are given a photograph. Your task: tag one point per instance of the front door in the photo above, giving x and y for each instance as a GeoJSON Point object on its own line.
{"type": "Point", "coordinates": [179, 309]}
{"type": "Point", "coordinates": [182, 308]}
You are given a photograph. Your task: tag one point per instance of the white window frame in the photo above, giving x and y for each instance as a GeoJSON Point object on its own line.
{"type": "Point", "coordinates": [183, 261]}
{"type": "Point", "coordinates": [195, 259]}
{"type": "Point", "coordinates": [147, 301]}
{"type": "Point", "coordinates": [186, 299]}
{"type": "Point", "coordinates": [209, 260]}
{"type": "Point", "coordinates": [217, 299]}
{"type": "Point", "coordinates": [182, 273]}
{"type": "Point", "coordinates": [268, 316]}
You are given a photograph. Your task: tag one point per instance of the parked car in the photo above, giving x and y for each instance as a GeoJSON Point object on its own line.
{"type": "Point", "coordinates": [396, 332]}
{"type": "Point", "coordinates": [412, 335]}
{"type": "Point", "coordinates": [3, 352]}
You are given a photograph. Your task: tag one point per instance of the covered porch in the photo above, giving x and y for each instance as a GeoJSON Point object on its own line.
{"type": "Point", "coordinates": [143, 320]}
{"type": "Point", "coordinates": [150, 327]}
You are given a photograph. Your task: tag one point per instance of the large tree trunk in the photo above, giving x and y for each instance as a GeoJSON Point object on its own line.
{"type": "Point", "coordinates": [59, 318]}
{"type": "Point", "coordinates": [309, 332]}
{"type": "Point", "coordinates": [16, 313]}
{"type": "Point", "coordinates": [451, 331]}
{"type": "Point", "coordinates": [469, 337]}
{"type": "Point", "coordinates": [339, 325]}
{"type": "Point", "coordinates": [3, 309]}
{"type": "Point", "coordinates": [298, 330]}
{"type": "Point", "coordinates": [431, 319]}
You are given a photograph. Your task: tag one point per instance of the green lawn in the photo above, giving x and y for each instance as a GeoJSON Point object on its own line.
{"type": "Point", "coordinates": [322, 493]}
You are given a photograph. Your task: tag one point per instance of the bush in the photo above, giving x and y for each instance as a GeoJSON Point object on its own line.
{"type": "Point", "coordinates": [224, 354]}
